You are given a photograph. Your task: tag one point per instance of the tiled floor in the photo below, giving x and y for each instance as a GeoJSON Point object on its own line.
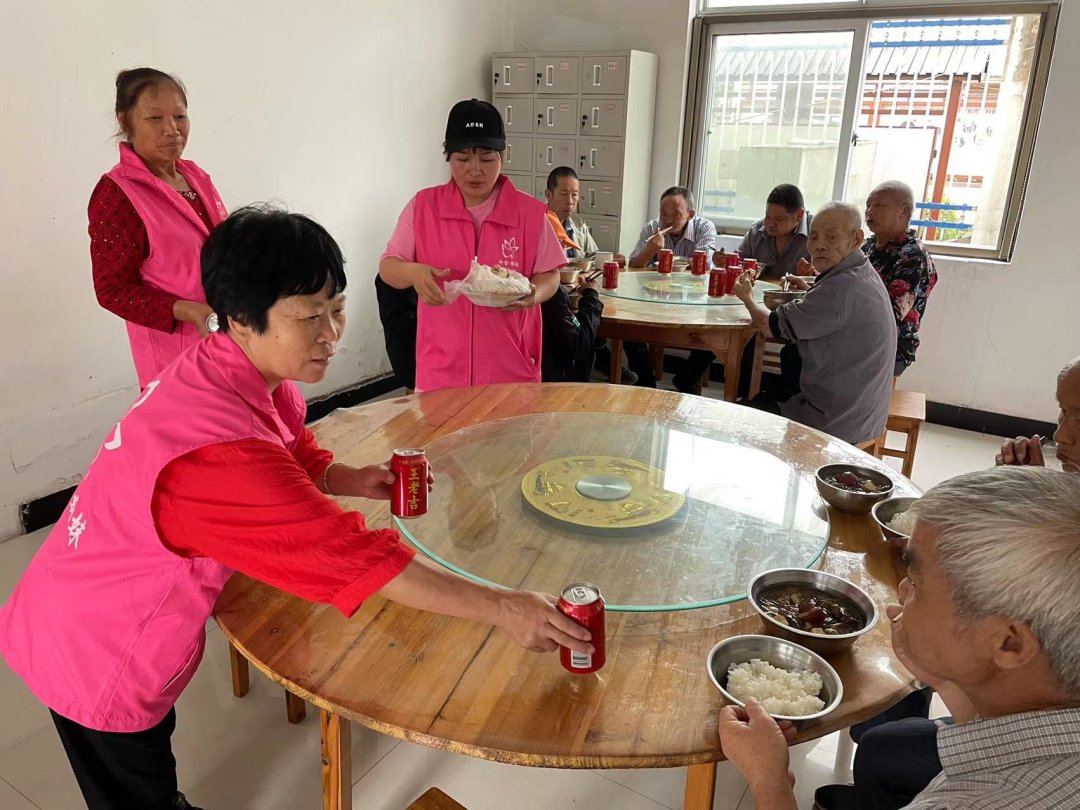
{"type": "Point", "coordinates": [242, 754]}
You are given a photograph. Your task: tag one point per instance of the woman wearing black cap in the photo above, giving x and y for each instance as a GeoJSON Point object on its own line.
{"type": "Point", "coordinates": [477, 214]}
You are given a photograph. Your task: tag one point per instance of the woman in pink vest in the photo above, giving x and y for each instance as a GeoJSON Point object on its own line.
{"type": "Point", "coordinates": [211, 471]}
{"type": "Point", "coordinates": [149, 217]}
{"type": "Point", "coordinates": [477, 214]}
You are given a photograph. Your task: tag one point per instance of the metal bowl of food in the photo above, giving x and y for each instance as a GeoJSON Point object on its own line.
{"type": "Point", "coordinates": [851, 488]}
{"type": "Point", "coordinates": [884, 513]}
{"type": "Point", "coordinates": [782, 654]}
{"type": "Point", "coordinates": [570, 273]}
{"type": "Point", "coordinates": [775, 298]}
{"type": "Point", "coordinates": [821, 611]}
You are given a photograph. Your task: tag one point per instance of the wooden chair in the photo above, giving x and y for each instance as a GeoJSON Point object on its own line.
{"type": "Point", "coordinates": [295, 706]}
{"type": "Point", "coordinates": [770, 362]}
{"type": "Point", "coordinates": [435, 799]}
{"type": "Point", "coordinates": [656, 357]}
{"type": "Point", "coordinates": [907, 415]}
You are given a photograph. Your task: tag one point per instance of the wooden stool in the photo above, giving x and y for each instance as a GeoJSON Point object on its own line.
{"type": "Point", "coordinates": [873, 447]}
{"type": "Point", "coordinates": [907, 414]}
{"type": "Point", "coordinates": [435, 799]}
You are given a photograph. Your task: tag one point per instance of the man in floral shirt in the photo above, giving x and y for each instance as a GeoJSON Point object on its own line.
{"type": "Point", "coordinates": [902, 261]}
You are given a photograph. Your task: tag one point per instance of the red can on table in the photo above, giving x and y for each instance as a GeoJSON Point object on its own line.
{"type": "Point", "coordinates": [731, 259]}
{"type": "Point", "coordinates": [716, 282]}
{"type": "Point", "coordinates": [666, 262]}
{"type": "Point", "coordinates": [582, 602]}
{"type": "Point", "coordinates": [731, 275]}
{"type": "Point", "coordinates": [699, 265]}
{"type": "Point", "coordinates": [409, 493]}
{"type": "Point", "coordinates": [611, 275]}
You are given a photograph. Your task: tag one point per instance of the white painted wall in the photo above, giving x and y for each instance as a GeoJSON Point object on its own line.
{"type": "Point", "coordinates": [995, 335]}
{"type": "Point", "coordinates": [335, 108]}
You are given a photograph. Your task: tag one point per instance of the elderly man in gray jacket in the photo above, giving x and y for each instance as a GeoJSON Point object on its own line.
{"type": "Point", "coordinates": [844, 330]}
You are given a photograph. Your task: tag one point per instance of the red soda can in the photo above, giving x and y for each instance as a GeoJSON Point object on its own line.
{"type": "Point", "coordinates": [731, 259]}
{"type": "Point", "coordinates": [583, 603]}
{"type": "Point", "coordinates": [752, 266]}
{"type": "Point", "coordinates": [716, 282]}
{"type": "Point", "coordinates": [611, 275]}
{"type": "Point", "coordinates": [699, 265]}
{"type": "Point", "coordinates": [409, 494]}
{"type": "Point", "coordinates": [667, 261]}
{"type": "Point", "coordinates": [731, 276]}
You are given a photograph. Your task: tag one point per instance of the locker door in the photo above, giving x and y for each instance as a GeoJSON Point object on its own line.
{"type": "Point", "coordinates": [552, 152]}
{"type": "Point", "coordinates": [598, 158]}
{"type": "Point", "coordinates": [603, 197]}
{"type": "Point", "coordinates": [558, 75]}
{"type": "Point", "coordinates": [603, 75]}
{"type": "Point", "coordinates": [556, 116]}
{"type": "Point", "coordinates": [540, 187]}
{"type": "Point", "coordinates": [519, 154]}
{"type": "Point", "coordinates": [605, 231]}
{"type": "Point", "coordinates": [605, 117]}
{"type": "Point", "coordinates": [512, 74]}
{"type": "Point", "coordinates": [517, 113]}
{"type": "Point", "coordinates": [522, 182]}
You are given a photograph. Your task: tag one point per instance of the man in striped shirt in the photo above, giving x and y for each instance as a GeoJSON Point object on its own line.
{"type": "Point", "coordinates": [990, 618]}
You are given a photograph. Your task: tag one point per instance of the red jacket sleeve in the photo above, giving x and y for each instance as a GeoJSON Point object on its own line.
{"type": "Point", "coordinates": [118, 247]}
{"type": "Point", "coordinates": [251, 506]}
{"type": "Point", "coordinates": [310, 456]}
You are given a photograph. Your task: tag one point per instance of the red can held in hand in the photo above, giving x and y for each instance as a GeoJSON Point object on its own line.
{"type": "Point", "coordinates": [409, 493]}
{"type": "Point", "coordinates": [582, 602]}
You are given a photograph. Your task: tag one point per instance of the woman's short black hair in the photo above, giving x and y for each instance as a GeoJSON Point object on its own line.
{"type": "Point", "coordinates": [261, 254]}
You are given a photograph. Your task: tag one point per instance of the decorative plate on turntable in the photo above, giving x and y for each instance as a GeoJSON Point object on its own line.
{"type": "Point", "coordinates": [600, 493]}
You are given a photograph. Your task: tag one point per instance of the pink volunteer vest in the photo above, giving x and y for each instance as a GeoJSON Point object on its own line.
{"type": "Point", "coordinates": [461, 344]}
{"type": "Point", "coordinates": [176, 235]}
{"type": "Point", "coordinates": [106, 625]}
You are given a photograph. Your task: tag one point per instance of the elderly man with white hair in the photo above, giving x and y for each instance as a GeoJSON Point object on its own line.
{"type": "Point", "coordinates": [844, 332]}
{"type": "Point", "coordinates": [902, 261]}
{"type": "Point", "coordinates": [989, 615]}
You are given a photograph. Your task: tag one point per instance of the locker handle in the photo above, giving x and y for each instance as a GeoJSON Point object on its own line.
{"type": "Point", "coordinates": [549, 72]}
{"type": "Point", "coordinates": [550, 154]}
{"type": "Point", "coordinates": [592, 198]}
{"type": "Point", "coordinates": [506, 75]}
{"type": "Point", "coordinates": [595, 117]}
{"type": "Point", "coordinates": [592, 158]}
{"type": "Point", "coordinates": [509, 153]}
{"type": "Point", "coordinates": [551, 116]}
{"type": "Point", "coordinates": [509, 115]}
{"type": "Point", "coordinates": [595, 75]}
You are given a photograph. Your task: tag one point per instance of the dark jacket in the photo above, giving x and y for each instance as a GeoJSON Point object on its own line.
{"type": "Point", "coordinates": [397, 311]}
{"type": "Point", "coordinates": [569, 340]}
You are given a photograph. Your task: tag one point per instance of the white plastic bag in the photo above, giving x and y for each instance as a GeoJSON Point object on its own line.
{"type": "Point", "coordinates": [489, 286]}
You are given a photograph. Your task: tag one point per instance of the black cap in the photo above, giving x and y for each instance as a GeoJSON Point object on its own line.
{"type": "Point", "coordinates": [476, 124]}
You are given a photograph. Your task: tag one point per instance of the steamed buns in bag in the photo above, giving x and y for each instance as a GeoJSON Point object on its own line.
{"type": "Point", "coordinates": [489, 286]}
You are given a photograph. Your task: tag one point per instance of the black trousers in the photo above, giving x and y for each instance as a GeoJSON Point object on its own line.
{"type": "Point", "coordinates": [894, 762]}
{"type": "Point", "coordinates": [123, 770]}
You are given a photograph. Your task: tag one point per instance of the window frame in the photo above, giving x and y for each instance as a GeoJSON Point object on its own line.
{"type": "Point", "coordinates": [811, 17]}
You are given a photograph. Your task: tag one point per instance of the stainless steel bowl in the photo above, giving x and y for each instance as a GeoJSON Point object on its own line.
{"type": "Point", "coordinates": [854, 503]}
{"type": "Point", "coordinates": [886, 510]}
{"type": "Point", "coordinates": [774, 298]}
{"type": "Point", "coordinates": [819, 581]}
{"type": "Point", "coordinates": [779, 653]}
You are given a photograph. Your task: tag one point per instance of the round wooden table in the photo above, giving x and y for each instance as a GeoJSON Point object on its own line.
{"type": "Point", "coordinates": [747, 479]}
{"type": "Point", "coordinates": [675, 311]}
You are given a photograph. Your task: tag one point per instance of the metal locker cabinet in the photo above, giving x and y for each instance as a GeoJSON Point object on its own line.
{"type": "Point", "coordinates": [598, 158]}
{"type": "Point", "coordinates": [522, 182]}
{"type": "Point", "coordinates": [557, 75]}
{"type": "Point", "coordinates": [603, 74]}
{"type": "Point", "coordinates": [519, 155]}
{"type": "Point", "coordinates": [549, 153]}
{"type": "Point", "coordinates": [603, 197]}
{"type": "Point", "coordinates": [605, 230]}
{"type": "Point", "coordinates": [556, 115]}
{"type": "Point", "coordinates": [539, 187]}
{"type": "Point", "coordinates": [513, 74]}
{"type": "Point", "coordinates": [603, 117]}
{"type": "Point", "coordinates": [516, 112]}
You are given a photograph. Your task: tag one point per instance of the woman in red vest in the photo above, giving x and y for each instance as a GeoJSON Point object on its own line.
{"type": "Point", "coordinates": [149, 217]}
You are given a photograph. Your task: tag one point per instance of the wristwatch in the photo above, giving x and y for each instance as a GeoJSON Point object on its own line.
{"type": "Point", "coordinates": [212, 322]}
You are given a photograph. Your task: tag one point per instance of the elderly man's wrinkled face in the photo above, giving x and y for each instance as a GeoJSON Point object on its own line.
{"type": "Point", "coordinates": [832, 240]}
{"type": "Point", "coordinates": [675, 213]}
{"type": "Point", "coordinates": [887, 214]}
{"type": "Point", "coordinates": [1067, 435]}
{"type": "Point", "coordinates": [563, 201]}
{"type": "Point", "coordinates": [929, 629]}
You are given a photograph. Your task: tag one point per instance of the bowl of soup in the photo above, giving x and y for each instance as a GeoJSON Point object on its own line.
{"type": "Point", "coordinates": [821, 611]}
{"type": "Point", "coordinates": [852, 488]}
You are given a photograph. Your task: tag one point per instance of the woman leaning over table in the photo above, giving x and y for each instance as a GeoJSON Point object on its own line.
{"type": "Point", "coordinates": [477, 214]}
{"type": "Point", "coordinates": [149, 216]}
{"type": "Point", "coordinates": [211, 471]}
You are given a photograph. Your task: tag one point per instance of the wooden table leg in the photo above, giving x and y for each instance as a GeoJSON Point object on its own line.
{"type": "Point", "coordinates": [733, 366]}
{"type": "Point", "coordinates": [241, 681]}
{"type": "Point", "coordinates": [295, 708]}
{"type": "Point", "coordinates": [759, 359]}
{"type": "Point", "coordinates": [700, 786]}
{"type": "Point", "coordinates": [615, 375]}
{"type": "Point", "coordinates": [336, 761]}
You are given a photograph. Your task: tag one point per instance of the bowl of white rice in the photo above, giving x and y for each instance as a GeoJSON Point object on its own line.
{"type": "Point", "coordinates": [790, 681]}
{"type": "Point", "coordinates": [895, 517]}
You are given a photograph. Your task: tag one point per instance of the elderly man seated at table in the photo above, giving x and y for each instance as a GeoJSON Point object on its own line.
{"type": "Point", "coordinates": [844, 332]}
{"type": "Point", "coordinates": [902, 261]}
{"type": "Point", "coordinates": [678, 228]}
{"type": "Point", "coordinates": [779, 243]}
{"type": "Point", "coordinates": [989, 615]}
{"type": "Point", "coordinates": [1024, 451]}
